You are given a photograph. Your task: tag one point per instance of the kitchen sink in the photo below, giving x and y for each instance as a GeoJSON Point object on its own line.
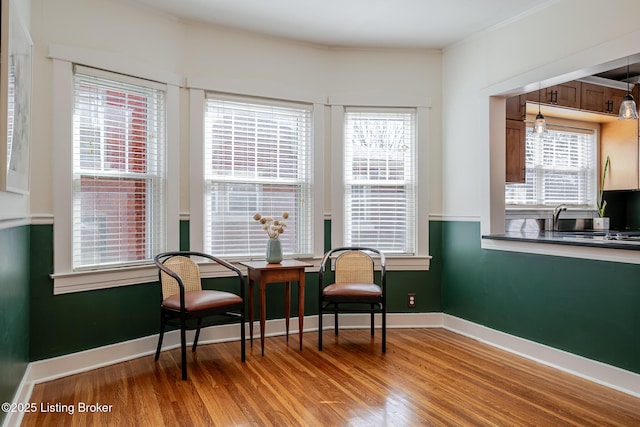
{"type": "Point", "coordinates": [575, 225]}
{"type": "Point", "coordinates": [568, 225]}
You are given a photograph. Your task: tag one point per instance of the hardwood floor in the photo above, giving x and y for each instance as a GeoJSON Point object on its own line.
{"type": "Point", "coordinates": [427, 377]}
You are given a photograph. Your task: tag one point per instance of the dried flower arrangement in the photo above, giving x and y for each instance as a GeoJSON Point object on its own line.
{"type": "Point", "coordinates": [273, 227]}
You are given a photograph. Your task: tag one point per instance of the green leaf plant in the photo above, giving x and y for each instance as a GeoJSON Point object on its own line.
{"type": "Point", "coordinates": [601, 204]}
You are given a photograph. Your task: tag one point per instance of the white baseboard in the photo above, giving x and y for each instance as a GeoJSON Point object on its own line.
{"type": "Point", "coordinates": [23, 395]}
{"type": "Point", "coordinates": [598, 372]}
{"type": "Point", "coordinates": [69, 364]}
{"type": "Point", "coordinates": [58, 367]}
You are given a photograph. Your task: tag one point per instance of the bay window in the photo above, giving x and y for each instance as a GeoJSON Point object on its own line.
{"type": "Point", "coordinates": [257, 159]}
{"type": "Point", "coordinates": [118, 170]}
{"type": "Point", "coordinates": [115, 169]}
{"type": "Point", "coordinates": [379, 178]}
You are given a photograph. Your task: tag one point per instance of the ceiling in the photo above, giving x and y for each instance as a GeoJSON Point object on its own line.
{"type": "Point", "coordinates": [432, 24]}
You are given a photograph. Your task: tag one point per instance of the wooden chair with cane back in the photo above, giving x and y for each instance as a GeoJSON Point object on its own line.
{"type": "Point", "coordinates": [186, 305]}
{"type": "Point", "coordinates": [354, 289]}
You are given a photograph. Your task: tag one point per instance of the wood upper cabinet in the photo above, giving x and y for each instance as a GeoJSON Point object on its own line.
{"type": "Point", "coordinates": [579, 95]}
{"type": "Point", "coordinates": [593, 97]}
{"type": "Point", "coordinates": [565, 95]}
{"type": "Point", "coordinates": [536, 96]}
{"type": "Point", "coordinates": [515, 138]}
{"type": "Point", "coordinates": [601, 99]}
{"type": "Point", "coordinates": [615, 97]}
{"type": "Point", "coordinates": [516, 108]}
{"type": "Point", "coordinates": [515, 150]}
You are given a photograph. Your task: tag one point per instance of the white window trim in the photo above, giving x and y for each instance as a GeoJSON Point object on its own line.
{"type": "Point", "coordinates": [196, 179]}
{"type": "Point", "coordinates": [421, 259]}
{"type": "Point", "coordinates": [64, 278]}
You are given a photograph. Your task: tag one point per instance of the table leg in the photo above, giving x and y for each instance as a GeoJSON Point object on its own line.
{"type": "Point", "coordinates": [250, 304]}
{"type": "Point", "coordinates": [287, 306]}
{"type": "Point", "coordinates": [301, 306]}
{"type": "Point", "coordinates": [263, 312]}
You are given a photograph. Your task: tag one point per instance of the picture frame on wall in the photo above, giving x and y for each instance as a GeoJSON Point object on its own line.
{"type": "Point", "coordinates": [15, 101]}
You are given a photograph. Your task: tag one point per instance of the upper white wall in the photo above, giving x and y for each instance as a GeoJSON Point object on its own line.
{"type": "Point", "coordinates": [220, 59]}
{"type": "Point", "coordinates": [564, 40]}
{"type": "Point", "coordinates": [13, 205]}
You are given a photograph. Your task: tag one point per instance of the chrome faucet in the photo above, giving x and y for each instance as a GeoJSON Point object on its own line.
{"type": "Point", "coordinates": [556, 215]}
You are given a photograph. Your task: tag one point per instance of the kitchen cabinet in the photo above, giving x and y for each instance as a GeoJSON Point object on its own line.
{"type": "Point", "coordinates": [566, 94]}
{"type": "Point", "coordinates": [619, 140]}
{"type": "Point", "coordinates": [579, 95]}
{"type": "Point", "coordinates": [563, 95]}
{"type": "Point", "coordinates": [515, 150]}
{"type": "Point", "coordinates": [516, 108]}
{"type": "Point", "coordinates": [601, 99]}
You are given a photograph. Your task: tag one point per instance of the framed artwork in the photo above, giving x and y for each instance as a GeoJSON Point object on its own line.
{"type": "Point", "coordinates": [15, 101]}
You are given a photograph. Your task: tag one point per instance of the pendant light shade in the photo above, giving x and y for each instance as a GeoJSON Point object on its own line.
{"type": "Point", "coordinates": [540, 125]}
{"type": "Point", "coordinates": [628, 109]}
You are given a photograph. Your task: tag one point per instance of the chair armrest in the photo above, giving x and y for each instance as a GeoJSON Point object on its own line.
{"type": "Point", "coordinates": [158, 259]}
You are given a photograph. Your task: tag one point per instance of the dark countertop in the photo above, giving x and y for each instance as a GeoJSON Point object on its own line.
{"type": "Point", "coordinates": [613, 239]}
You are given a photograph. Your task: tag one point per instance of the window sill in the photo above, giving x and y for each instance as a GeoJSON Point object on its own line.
{"type": "Point", "coordinates": [65, 283]}
{"type": "Point", "coordinates": [408, 263]}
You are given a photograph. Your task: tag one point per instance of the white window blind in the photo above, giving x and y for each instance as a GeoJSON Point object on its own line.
{"type": "Point", "coordinates": [119, 169]}
{"type": "Point", "coordinates": [379, 158]}
{"type": "Point", "coordinates": [257, 160]}
{"type": "Point", "coordinates": [560, 169]}
{"type": "Point", "coordinates": [11, 105]}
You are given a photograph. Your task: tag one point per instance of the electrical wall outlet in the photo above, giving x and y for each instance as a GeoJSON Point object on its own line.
{"type": "Point", "coordinates": [411, 300]}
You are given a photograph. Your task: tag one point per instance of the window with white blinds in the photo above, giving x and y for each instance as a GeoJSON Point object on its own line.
{"type": "Point", "coordinates": [257, 160]}
{"type": "Point", "coordinates": [119, 169]}
{"type": "Point", "coordinates": [11, 110]}
{"type": "Point", "coordinates": [379, 178]}
{"type": "Point", "coordinates": [561, 168]}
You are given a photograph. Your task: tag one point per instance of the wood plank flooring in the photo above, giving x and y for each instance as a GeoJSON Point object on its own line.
{"type": "Point", "coordinates": [428, 377]}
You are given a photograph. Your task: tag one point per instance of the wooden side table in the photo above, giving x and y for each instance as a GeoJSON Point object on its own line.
{"type": "Point", "coordinates": [287, 271]}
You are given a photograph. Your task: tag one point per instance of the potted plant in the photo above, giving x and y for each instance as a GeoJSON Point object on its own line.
{"type": "Point", "coordinates": [602, 222]}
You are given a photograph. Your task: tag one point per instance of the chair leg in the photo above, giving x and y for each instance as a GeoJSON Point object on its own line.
{"type": "Point", "coordinates": [242, 339]}
{"type": "Point", "coordinates": [183, 349]}
{"type": "Point", "coordinates": [384, 330]}
{"type": "Point", "coordinates": [335, 319]}
{"type": "Point", "coordinates": [320, 326]}
{"type": "Point", "coordinates": [372, 319]}
{"type": "Point", "coordinates": [160, 337]}
{"type": "Point", "coordinates": [195, 339]}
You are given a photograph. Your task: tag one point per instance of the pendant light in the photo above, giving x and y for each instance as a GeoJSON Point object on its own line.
{"type": "Point", "coordinates": [628, 108]}
{"type": "Point", "coordinates": [540, 125]}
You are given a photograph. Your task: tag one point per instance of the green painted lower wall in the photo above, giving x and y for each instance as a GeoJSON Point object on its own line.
{"type": "Point", "coordinates": [14, 310]}
{"type": "Point", "coordinates": [69, 323]}
{"type": "Point", "coordinates": [589, 308]}
{"type": "Point", "coordinates": [63, 324]}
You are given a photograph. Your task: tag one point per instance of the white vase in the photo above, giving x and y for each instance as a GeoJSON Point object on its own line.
{"type": "Point", "coordinates": [601, 223]}
{"type": "Point", "coordinates": [274, 251]}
